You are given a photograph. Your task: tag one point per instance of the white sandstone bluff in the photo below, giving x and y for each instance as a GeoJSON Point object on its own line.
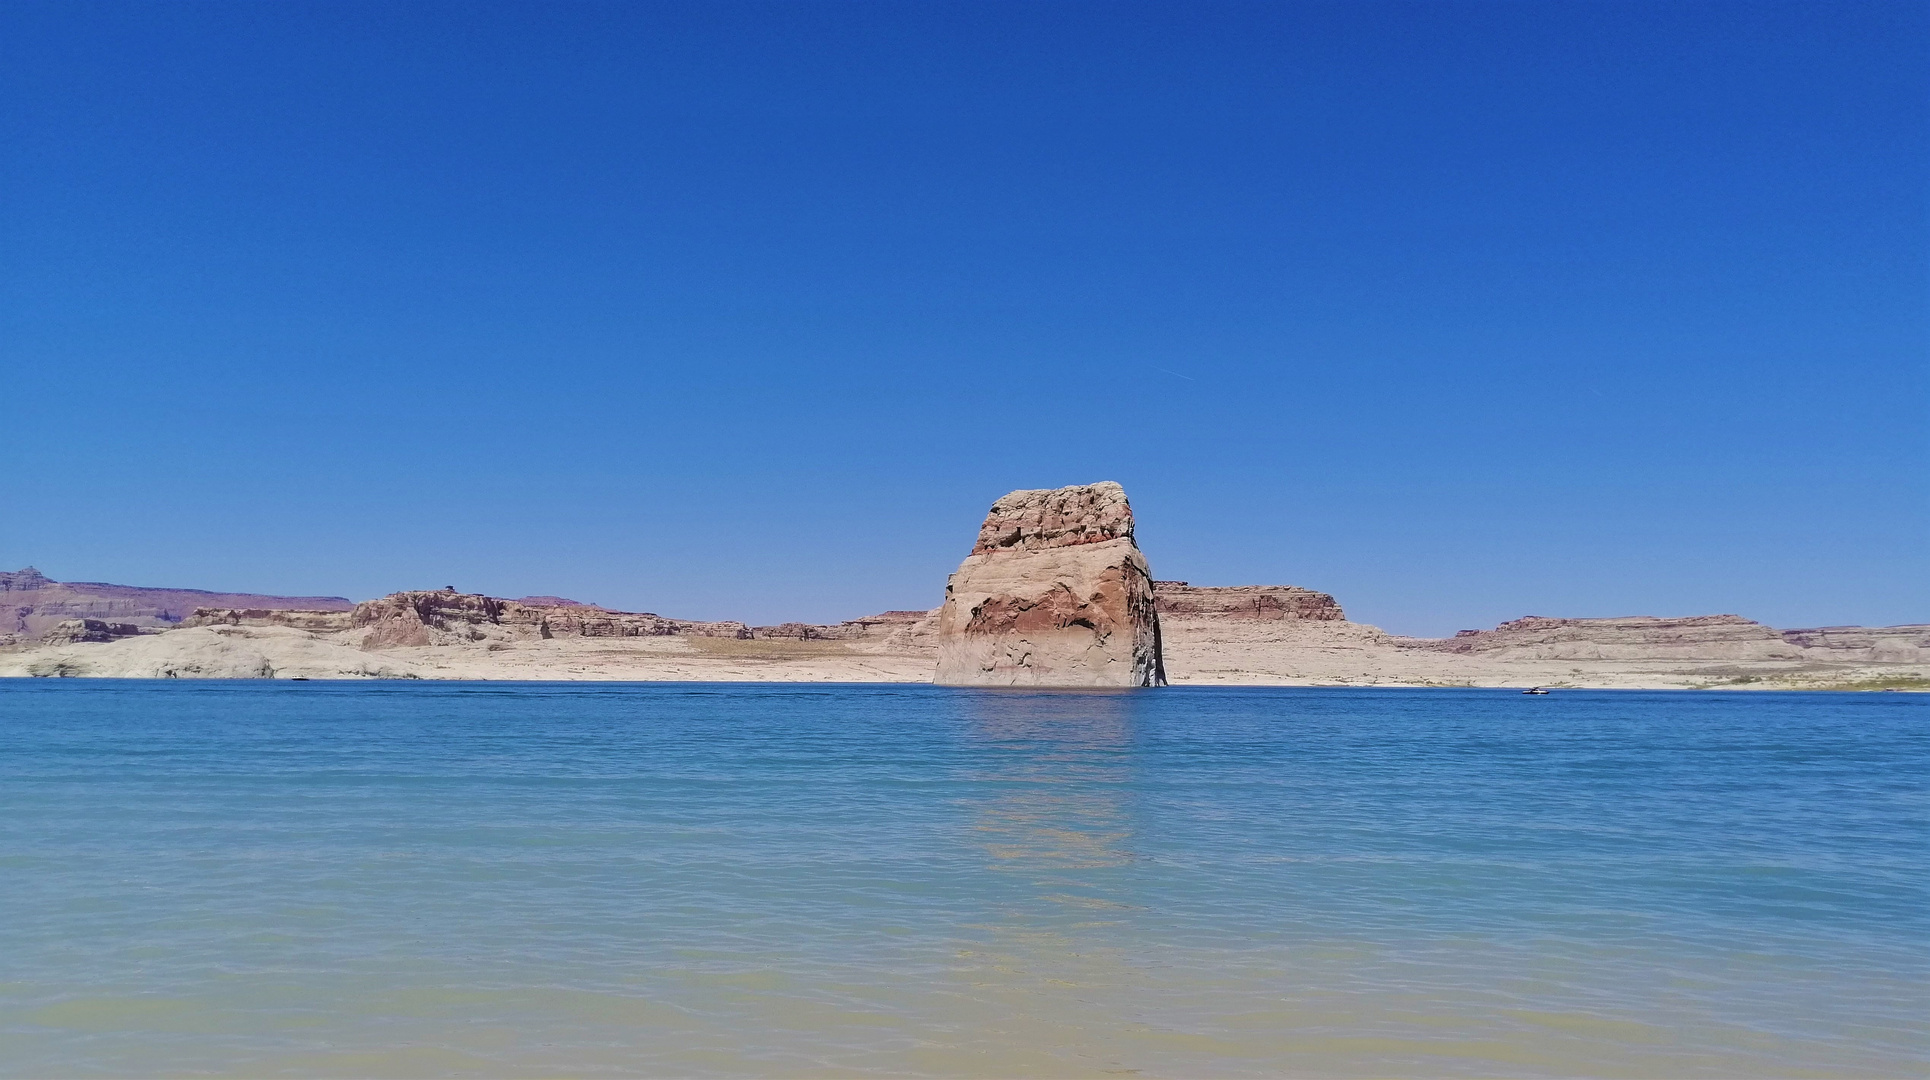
{"type": "Point", "coordinates": [1054, 594]}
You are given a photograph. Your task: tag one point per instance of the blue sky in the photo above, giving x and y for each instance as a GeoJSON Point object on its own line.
{"type": "Point", "coordinates": [1459, 311]}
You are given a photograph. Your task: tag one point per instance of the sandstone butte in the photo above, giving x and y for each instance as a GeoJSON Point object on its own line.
{"type": "Point", "coordinates": [1055, 593]}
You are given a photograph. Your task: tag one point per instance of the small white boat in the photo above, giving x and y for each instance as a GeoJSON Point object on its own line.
{"type": "Point", "coordinates": [1535, 690]}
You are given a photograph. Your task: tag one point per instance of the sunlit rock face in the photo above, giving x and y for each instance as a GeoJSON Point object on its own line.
{"type": "Point", "coordinates": [1054, 594]}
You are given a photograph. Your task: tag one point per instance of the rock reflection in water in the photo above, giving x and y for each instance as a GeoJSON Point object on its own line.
{"type": "Point", "coordinates": [1053, 777]}
{"type": "Point", "coordinates": [1052, 972]}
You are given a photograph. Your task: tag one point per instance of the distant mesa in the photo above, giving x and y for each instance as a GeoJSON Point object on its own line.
{"type": "Point", "coordinates": [1730, 637]}
{"type": "Point", "coordinates": [1055, 593]}
{"type": "Point", "coordinates": [32, 605]}
{"type": "Point", "coordinates": [427, 618]}
{"type": "Point", "coordinates": [1684, 639]}
{"type": "Point", "coordinates": [1258, 603]}
{"type": "Point", "coordinates": [26, 580]}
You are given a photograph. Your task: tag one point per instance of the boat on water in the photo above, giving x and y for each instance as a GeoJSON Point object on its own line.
{"type": "Point", "coordinates": [1536, 690]}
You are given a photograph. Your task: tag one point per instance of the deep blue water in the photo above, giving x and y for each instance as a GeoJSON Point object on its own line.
{"type": "Point", "coordinates": [532, 879]}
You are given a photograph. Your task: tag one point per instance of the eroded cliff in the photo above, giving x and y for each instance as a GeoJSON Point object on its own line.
{"type": "Point", "coordinates": [1259, 603]}
{"type": "Point", "coordinates": [1054, 594]}
{"type": "Point", "coordinates": [32, 605]}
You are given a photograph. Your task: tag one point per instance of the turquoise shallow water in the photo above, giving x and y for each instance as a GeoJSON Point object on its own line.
{"type": "Point", "coordinates": [490, 879]}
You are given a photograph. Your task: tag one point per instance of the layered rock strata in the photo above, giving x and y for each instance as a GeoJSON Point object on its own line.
{"type": "Point", "coordinates": [888, 625]}
{"type": "Point", "coordinates": [431, 618]}
{"type": "Point", "coordinates": [77, 630]}
{"type": "Point", "coordinates": [447, 617]}
{"type": "Point", "coordinates": [1054, 594]}
{"type": "Point", "coordinates": [1865, 644]}
{"type": "Point", "coordinates": [31, 604]}
{"type": "Point", "coordinates": [318, 621]}
{"type": "Point", "coordinates": [1640, 637]}
{"type": "Point", "coordinates": [1260, 603]}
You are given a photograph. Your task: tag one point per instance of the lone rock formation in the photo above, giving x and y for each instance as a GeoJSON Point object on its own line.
{"type": "Point", "coordinates": [1054, 594]}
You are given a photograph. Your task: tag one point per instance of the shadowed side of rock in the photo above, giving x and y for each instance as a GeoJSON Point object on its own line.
{"type": "Point", "coordinates": [1054, 594]}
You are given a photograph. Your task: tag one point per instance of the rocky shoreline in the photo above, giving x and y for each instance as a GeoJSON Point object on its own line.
{"type": "Point", "coordinates": [1239, 635]}
{"type": "Point", "coordinates": [1054, 593]}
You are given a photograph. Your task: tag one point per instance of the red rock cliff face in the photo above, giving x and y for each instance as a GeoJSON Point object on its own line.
{"type": "Point", "coordinates": [1054, 594]}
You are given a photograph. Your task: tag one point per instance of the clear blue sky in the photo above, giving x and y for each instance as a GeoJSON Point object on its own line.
{"type": "Point", "coordinates": [1459, 311]}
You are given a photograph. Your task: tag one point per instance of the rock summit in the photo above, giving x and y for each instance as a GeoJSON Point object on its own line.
{"type": "Point", "coordinates": [1054, 594]}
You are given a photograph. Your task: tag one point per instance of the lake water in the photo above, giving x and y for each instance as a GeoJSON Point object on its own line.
{"type": "Point", "coordinates": [486, 879]}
